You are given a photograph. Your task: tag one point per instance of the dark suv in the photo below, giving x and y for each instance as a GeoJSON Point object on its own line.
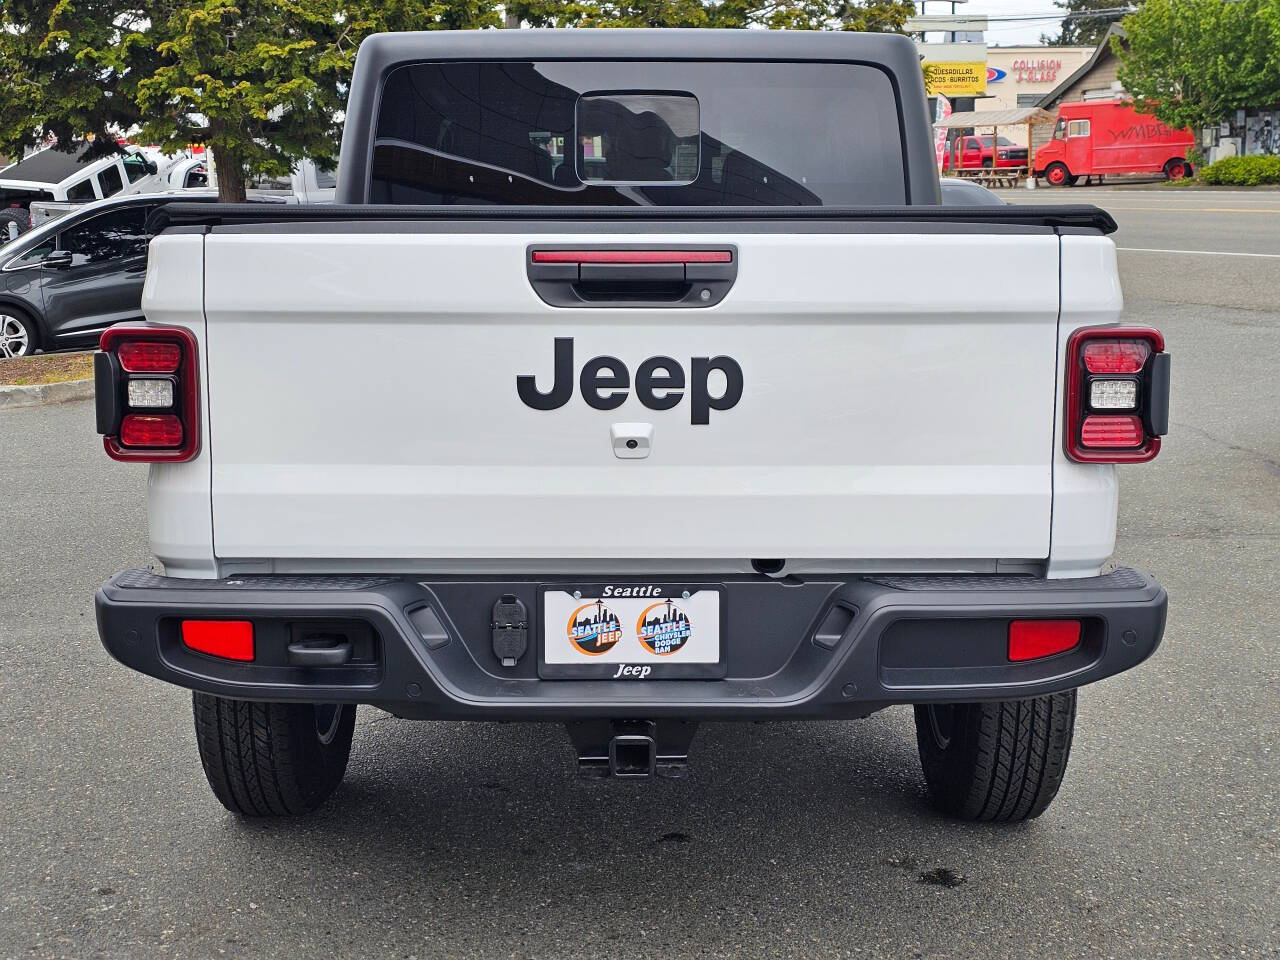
{"type": "Point", "coordinates": [66, 281]}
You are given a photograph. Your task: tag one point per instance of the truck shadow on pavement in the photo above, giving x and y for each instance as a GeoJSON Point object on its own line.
{"type": "Point", "coordinates": [767, 817]}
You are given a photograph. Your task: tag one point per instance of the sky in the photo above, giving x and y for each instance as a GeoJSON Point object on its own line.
{"type": "Point", "coordinates": [1008, 33]}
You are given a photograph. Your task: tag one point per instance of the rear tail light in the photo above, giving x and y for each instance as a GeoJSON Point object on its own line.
{"type": "Point", "coordinates": [1117, 394]}
{"type": "Point", "coordinates": [1034, 639]}
{"type": "Point", "coordinates": [148, 400]}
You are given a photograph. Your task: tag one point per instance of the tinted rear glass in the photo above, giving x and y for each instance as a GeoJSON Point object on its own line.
{"type": "Point", "coordinates": [610, 133]}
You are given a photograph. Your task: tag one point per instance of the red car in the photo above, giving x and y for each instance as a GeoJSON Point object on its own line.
{"type": "Point", "coordinates": [974, 152]}
{"type": "Point", "coordinates": [1110, 136]}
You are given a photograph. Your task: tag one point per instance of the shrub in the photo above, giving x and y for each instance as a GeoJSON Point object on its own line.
{"type": "Point", "coordinates": [1242, 171]}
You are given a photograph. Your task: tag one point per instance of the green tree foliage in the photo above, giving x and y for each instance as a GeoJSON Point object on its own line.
{"type": "Point", "coordinates": [1194, 62]}
{"type": "Point", "coordinates": [871, 15]}
{"type": "Point", "coordinates": [263, 84]}
{"type": "Point", "coordinates": [1086, 21]}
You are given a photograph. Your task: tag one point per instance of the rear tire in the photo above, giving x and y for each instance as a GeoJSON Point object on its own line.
{"type": "Point", "coordinates": [1177, 169]}
{"type": "Point", "coordinates": [272, 759]}
{"type": "Point", "coordinates": [1001, 761]}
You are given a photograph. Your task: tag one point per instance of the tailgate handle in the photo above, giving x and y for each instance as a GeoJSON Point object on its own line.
{"type": "Point", "coordinates": [632, 276]}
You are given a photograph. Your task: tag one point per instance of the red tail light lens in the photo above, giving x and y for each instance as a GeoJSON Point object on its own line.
{"type": "Point", "coordinates": [164, 430]}
{"type": "Point", "coordinates": [137, 370]}
{"type": "Point", "coordinates": [1034, 639]}
{"type": "Point", "coordinates": [1116, 356]}
{"type": "Point", "coordinates": [1111, 432]}
{"type": "Point", "coordinates": [149, 356]}
{"type": "Point", "coordinates": [229, 639]}
{"type": "Point", "coordinates": [1116, 401]}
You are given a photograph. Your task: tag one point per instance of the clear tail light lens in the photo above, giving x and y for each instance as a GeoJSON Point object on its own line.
{"type": "Point", "coordinates": [146, 394]}
{"type": "Point", "coordinates": [1113, 394]}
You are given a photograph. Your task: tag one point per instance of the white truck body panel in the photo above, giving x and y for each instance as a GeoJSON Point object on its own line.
{"type": "Point", "coordinates": [363, 405]}
{"type": "Point", "coordinates": [178, 494]}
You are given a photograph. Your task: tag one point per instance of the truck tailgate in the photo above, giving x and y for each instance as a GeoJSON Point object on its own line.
{"type": "Point", "coordinates": [897, 400]}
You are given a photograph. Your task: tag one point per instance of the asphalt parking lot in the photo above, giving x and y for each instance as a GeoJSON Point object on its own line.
{"type": "Point", "coordinates": [784, 840]}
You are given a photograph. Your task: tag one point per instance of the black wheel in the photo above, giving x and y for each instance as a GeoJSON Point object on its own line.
{"type": "Point", "coordinates": [1001, 761]}
{"type": "Point", "coordinates": [13, 222]}
{"type": "Point", "coordinates": [18, 336]}
{"type": "Point", "coordinates": [1177, 169]}
{"type": "Point", "coordinates": [272, 759]}
{"type": "Point", "coordinates": [1058, 175]}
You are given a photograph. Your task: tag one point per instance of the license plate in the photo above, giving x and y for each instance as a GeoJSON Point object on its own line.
{"type": "Point", "coordinates": [631, 632]}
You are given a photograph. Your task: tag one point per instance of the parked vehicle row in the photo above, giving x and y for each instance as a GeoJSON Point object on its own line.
{"type": "Point", "coordinates": [63, 283]}
{"type": "Point", "coordinates": [55, 176]}
{"type": "Point", "coordinates": [51, 183]}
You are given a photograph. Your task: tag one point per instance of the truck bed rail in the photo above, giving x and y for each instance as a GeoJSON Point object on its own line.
{"type": "Point", "coordinates": [1065, 216]}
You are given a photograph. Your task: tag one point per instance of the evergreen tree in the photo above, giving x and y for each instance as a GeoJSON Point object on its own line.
{"type": "Point", "coordinates": [1086, 22]}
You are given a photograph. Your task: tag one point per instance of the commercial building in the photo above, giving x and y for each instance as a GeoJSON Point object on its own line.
{"type": "Point", "coordinates": [1021, 76]}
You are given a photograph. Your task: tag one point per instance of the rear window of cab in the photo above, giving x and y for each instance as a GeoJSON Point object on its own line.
{"type": "Point", "coordinates": [608, 133]}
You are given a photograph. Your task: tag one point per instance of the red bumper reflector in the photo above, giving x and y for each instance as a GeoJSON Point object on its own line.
{"type": "Point", "coordinates": [228, 639]}
{"type": "Point", "coordinates": [1033, 639]}
{"type": "Point", "coordinates": [1116, 356]}
{"type": "Point", "coordinates": [632, 256]}
{"type": "Point", "coordinates": [161, 430]}
{"type": "Point", "coordinates": [1111, 431]}
{"type": "Point", "coordinates": [149, 356]}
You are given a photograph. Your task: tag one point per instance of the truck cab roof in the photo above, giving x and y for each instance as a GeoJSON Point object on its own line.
{"type": "Point", "coordinates": [658, 62]}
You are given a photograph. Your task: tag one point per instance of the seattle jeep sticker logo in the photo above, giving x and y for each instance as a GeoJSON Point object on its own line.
{"type": "Point", "coordinates": [594, 629]}
{"type": "Point", "coordinates": [663, 628]}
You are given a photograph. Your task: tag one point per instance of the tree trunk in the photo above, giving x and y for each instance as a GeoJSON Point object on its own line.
{"type": "Point", "coordinates": [230, 171]}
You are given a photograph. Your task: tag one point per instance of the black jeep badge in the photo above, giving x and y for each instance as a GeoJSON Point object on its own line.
{"type": "Point", "coordinates": [660, 383]}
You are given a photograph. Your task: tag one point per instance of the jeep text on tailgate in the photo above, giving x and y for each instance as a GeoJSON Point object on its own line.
{"type": "Point", "coordinates": [631, 391]}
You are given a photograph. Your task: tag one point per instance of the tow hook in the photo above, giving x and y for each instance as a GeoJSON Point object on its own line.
{"type": "Point", "coordinates": [632, 749]}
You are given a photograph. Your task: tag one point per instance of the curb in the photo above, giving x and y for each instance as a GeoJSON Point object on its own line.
{"type": "Point", "coordinates": [30, 396]}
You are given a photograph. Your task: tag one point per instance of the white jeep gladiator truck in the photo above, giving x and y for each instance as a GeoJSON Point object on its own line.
{"type": "Point", "coordinates": [635, 379]}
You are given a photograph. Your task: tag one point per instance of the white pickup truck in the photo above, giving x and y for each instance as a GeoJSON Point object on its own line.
{"type": "Point", "coordinates": [636, 379]}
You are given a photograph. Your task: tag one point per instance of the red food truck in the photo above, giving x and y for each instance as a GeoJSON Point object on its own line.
{"type": "Point", "coordinates": [1093, 138]}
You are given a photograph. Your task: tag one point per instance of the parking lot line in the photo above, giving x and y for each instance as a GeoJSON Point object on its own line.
{"type": "Point", "coordinates": [1204, 253]}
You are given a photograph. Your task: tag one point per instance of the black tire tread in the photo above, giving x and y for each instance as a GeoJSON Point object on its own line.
{"type": "Point", "coordinates": [1006, 759]}
{"type": "Point", "coordinates": [265, 759]}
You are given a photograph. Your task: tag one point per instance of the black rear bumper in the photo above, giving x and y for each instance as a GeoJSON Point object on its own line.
{"type": "Point", "coordinates": [793, 647]}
